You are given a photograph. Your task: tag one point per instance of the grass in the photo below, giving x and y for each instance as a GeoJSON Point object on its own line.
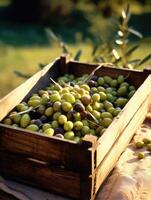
{"type": "Point", "coordinates": [26, 59]}
{"type": "Point", "coordinates": [23, 47]}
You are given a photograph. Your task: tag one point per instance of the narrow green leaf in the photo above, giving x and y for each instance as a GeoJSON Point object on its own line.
{"type": "Point", "coordinates": [136, 33]}
{"type": "Point", "coordinates": [99, 59]}
{"type": "Point", "coordinates": [95, 48]}
{"type": "Point", "coordinates": [22, 75]}
{"type": "Point", "coordinates": [123, 14]}
{"type": "Point", "coordinates": [127, 11]}
{"type": "Point", "coordinates": [64, 48]}
{"type": "Point", "coordinates": [148, 57]}
{"type": "Point", "coordinates": [120, 33]}
{"type": "Point", "coordinates": [41, 66]}
{"type": "Point", "coordinates": [117, 61]}
{"type": "Point", "coordinates": [131, 50]}
{"type": "Point", "coordinates": [119, 42]}
{"type": "Point", "coordinates": [51, 34]}
{"type": "Point", "coordinates": [135, 61]}
{"type": "Point", "coordinates": [115, 54]}
{"type": "Point", "coordinates": [78, 54]}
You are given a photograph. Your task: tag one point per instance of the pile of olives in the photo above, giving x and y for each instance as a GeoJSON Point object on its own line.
{"type": "Point", "coordinates": [73, 107]}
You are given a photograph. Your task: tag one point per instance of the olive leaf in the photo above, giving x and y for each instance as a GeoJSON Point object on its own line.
{"type": "Point", "coordinates": [22, 75]}
{"type": "Point", "coordinates": [64, 47]}
{"type": "Point", "coordinates": [51, 34]}
{"type": "Point", "coordinates": [95, 48]}
{"type": "Point", "coordinates": [148, 57]}
{"type": "Point", "coordinates": [115, 54]}
{"type": "Point", "coordinates": [135, 61]}
{"type": "Point", "coordinates": [136, 33]}
{"type": "Point", "coordinates": [78, 54]}
{"type": "Point", "coordinates": [97, 68]}
{"type": "Point", "coordinates": [132, 49]}
{"type": "Point", "coordinates": [98, 59]}
{"type": "Point", "coordinates": [61, 43]}
{"type": "Point", "coordinates": [41, 65]}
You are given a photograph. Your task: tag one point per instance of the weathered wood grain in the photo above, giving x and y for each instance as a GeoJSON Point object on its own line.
{"type": "Point", "coordinates": [121, 121]}
{"type": "Point", "coordinates": [86, 165]}
{"type": "Point", "coordinates": [120, 144]}
{"type": "Point", "coordinates": [50, 149]}
{"type": "Point", "coordinates": [40, 174]}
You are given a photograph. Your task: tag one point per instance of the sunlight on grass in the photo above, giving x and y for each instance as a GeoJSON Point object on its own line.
{"type": "Point", "coordinates": [27, 60]}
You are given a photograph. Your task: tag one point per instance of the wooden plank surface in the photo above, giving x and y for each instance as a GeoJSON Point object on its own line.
{"type": "Point", "coordinates": [111, 158]}
{"type": "Point", "coordinates": [121, 121]}
{"type": "Point", "coordinates": [51, 149]}
{"type": "Point", "coordinates": [40, 174]}
{"type": "Point", "coordinates": [136, 77]}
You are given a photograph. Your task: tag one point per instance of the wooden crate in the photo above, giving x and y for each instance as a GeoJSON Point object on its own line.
{"type": "Point", "coordinates": [62, 166]}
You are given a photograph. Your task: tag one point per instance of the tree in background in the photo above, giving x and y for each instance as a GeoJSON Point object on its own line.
{"type": "Point", "coordinates": [28, 10]}
{"type": "Point", "coordinates": [46, 11]}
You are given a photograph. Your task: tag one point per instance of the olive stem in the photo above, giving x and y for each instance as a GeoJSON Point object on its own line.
{"type": "Point", "coordinates": [93, 72]}
{"type": "Point", "coordinates": [56, 83]}
{"type": "Point", "coordinates": [25, 111]}
{"type": "Point", "coordinates": [93, 117]}
{"type": "Point", "coordinates": [93, 122]}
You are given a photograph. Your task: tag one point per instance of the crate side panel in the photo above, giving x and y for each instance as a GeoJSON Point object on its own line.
{"type": "Point", "coordinates": [135, 77]}
{"type": "Point", "coordinates": [40, 174]}
{"type": "Point", "coordinates": [120, 144]}
{"type": "Point", "coordinates": [66, 153]}
{"type": "Point", "coordinates": [121, 121]}
{"type": "Point", "coordinates": [87, 178]}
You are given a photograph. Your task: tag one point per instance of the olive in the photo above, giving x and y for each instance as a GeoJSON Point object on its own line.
{"type": "Point", "coordinates": [59, 130]}
{"type": "Point", "coordinates": [32, 127]}
{"type": "Point", "coordinates": [86, 99]}
{"type": "Point", "coordinates": [140, 155]}
{"type": "Point", "coordinates": [25, 120]}
{"type": "Point", "coordinates": [79, 107]}
{"type": "Point", "coordinates": [139, 144]}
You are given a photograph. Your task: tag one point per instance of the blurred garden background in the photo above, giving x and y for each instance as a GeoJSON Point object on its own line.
{"type": "Point", "coordinates": [27, 27]}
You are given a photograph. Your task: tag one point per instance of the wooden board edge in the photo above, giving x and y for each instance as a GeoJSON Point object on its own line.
{"type": "Point", "coordinates": [41, 175]}
{"type": "Point", "coordinates": [111, 158]}
{"type": "Point", "coordinates": [121, 121]}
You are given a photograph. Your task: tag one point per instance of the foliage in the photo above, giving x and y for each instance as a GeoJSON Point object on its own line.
{"type": "Point", "coordinates": [119, 53]}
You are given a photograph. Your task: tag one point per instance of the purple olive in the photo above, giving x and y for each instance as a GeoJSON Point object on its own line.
{"type": "Point", "coordinates": [79, 107]}
{"type": "Point", "coordinates": [44, 119]}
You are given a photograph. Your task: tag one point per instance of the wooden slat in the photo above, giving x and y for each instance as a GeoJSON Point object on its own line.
{"type": "Point", "coordinates": [136, 77]}
{"type": "Point", "coordinates": [120, 144]}
{"type": "Point", "coordinates": [121, 121]}
{"type": "Point", "coordinates": [87, 178]}
{"type": "Point", "coordinates": [40, 174]}
{"type": "Point", "coordinates": [69, 154]}
{"type": "Point", "coordinates": [17, 95]}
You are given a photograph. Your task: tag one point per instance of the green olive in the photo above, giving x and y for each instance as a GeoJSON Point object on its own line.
{"type": "Point", "coordinates": [140, 155]}
{"type": "Point", "coordinates": [139, 144]}
{"type": "Point", "coordinates": [25, 120]}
